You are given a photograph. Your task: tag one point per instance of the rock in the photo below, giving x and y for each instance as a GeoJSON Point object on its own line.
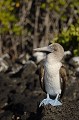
{"type": "Point", "coordinates": [64, 112]}
{"type": "Point", "coordinates": [67, 53]}
{"type": "Point", "coordinates": [67, 56]}
{"type": "Point", "coordinates": [39, 56]}
{"type": "Point", "coordinates": [74, 61]}
{"type": "Point", "coordinates": [15, 69]}
{"type": "Point", "coordinates": [23, 58]}
{"type": "Point", "coordinates": [4, 65]}
{"type": "Point", "coordinates": [77, 72]}
{"type": "Point", "coordinates": [5, 56]}
{"type": "Point", "coordinates": [21, 94]}
{"type": "Point", "coordinates": [29, 68]}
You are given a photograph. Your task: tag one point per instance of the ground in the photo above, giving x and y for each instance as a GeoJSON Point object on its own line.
{"type": "Point", "coordinates": [20, 96]}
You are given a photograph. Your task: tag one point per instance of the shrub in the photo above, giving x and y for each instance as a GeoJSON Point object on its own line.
{"type": "Point", "coordinates": [69, 38]}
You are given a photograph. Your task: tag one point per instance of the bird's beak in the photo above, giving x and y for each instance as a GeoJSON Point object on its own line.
{"type": "Point", "coordinates": [43, 49]}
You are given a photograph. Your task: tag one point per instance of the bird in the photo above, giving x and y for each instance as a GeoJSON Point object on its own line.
{"type": "Point", "coordinates": [52, 73]}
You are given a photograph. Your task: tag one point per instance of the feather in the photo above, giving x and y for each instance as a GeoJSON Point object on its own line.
{"type": "Point", "coordinates": [63, 78]}
{"type": "Point", "coordinates": [41, 77]}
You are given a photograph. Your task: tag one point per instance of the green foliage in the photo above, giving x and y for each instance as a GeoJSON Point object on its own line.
{"type": "Point", "coordinates": [53, 5]}
{"type": "Point", "coordinates": [70, 39]}
{"type": "Point", "coordinates": [17, 29]}
{"type": "Point", "coordinates": [43, 5]}
{"type": "Point", "coordinates": [18, 15]}
{"type": "Point", "coordinates": [67, 12]}
{"type": "Point", "coordinates": [63, 8]}
{"type": "Point", "coordinates": [7, 17]}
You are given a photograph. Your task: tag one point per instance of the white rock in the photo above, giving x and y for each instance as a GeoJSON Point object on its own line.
{"type": "Point", "coordinates": [3, 66]}
{"type": "Point", "coordinates": [67, 53]}
{"type": "Point", "coordinates": [77, 69]}
{"type": "Point", "coordinates": [39, 56]}
{"type": "Point", "coordinates": [74, 61]}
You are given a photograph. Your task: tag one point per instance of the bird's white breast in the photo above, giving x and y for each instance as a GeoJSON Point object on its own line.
{"type": "Point", "coordinates": [52, 79]}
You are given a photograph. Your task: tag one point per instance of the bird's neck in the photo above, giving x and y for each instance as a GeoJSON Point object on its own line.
{"type": "Point", "coordinates": [51, 59]}
{"type": "Point", "coordinates": [52, 65]}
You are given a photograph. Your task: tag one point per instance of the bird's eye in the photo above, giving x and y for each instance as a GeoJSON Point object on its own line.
{"type": "Point", "coordinates": [55, 48]}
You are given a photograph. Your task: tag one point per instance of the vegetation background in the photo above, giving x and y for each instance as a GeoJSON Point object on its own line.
{"type": "Point", "coordinates": [27, 24]}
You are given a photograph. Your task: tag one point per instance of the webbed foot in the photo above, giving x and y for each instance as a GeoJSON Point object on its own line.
{"type": "Point", "coordinates": [56, 101]}
{"type": "Point", "coordinates": [50, 101]}
{"type": "Point", "coordinates": [47, 101]}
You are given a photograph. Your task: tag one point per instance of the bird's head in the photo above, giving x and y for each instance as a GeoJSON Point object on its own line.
{"type": "Point", "coordinates": [53, 49]}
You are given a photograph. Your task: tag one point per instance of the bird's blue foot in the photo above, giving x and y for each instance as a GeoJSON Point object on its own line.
{"type": "Point", "coordinates": [50, 101]}
{"type": "Point", "coordinates": [57, 103]}
{"type": "Point", "coordinates": [46, 102]}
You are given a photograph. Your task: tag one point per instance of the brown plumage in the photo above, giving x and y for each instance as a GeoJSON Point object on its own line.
{"type": "Point", "coordinates": [63, 77]}
{"type": "Point", "coordinates": [41, 78]}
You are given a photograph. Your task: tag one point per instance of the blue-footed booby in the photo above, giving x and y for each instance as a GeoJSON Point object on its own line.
{"type": "Point", "coordinates": [52, 73]}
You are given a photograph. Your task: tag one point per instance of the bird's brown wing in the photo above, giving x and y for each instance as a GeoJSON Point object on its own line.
{"type": "Point", "coordinates": [63, 77]}
{"type": "Point", "coordinates": [41, 77]}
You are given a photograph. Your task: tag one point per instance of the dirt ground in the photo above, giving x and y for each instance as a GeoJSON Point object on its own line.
{"type": "Point", "coordinates": [21, 94]}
